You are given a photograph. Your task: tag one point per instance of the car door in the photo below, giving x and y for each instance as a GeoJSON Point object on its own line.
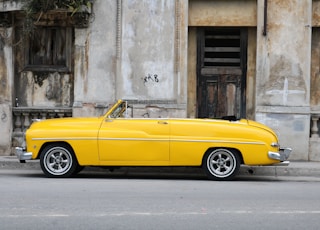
{"type": "Point", "coordinates": [189, 140]}
{"type": "Point", "coordinates": [128, 141]}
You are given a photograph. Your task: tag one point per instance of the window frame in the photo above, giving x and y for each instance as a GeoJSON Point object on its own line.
{"type": "Point", "coordinates": [66, 67]}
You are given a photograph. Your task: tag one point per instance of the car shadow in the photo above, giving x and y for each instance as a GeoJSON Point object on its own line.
{"type": "Point", "coordinates": [148, 173]}
{"type": "Point", "coordinates": [162, 173]}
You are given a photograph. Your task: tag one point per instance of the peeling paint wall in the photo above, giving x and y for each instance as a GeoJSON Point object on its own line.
{"type": "Point", "coordinates": [222, 13]}
{"type": "Point", "coordinates": [192, 72]}
{"type": "Point", "coordinates": [315, 13]}
{"type": "Point", "coordinates": [284, 63]}
{"type": "Point", "coordinates": [251, 73]}
{"type": "Point", "coordinates": [44, 89]}
{"type": "Point", "coordinates": [283, 72]}
{"type": "Point", "coordinates": [6, 78]}
{"type": "Point", "coordinates": [95, 61]}
{"type": "Point", "coordinates": [147, 50]}
{"type": "Point", "coordinates": [315, 70]}
{"type": "Point", "coordinates": [133, 50]}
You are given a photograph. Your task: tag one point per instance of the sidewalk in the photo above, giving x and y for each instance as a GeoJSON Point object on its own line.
{"type": "Point", "coordinates": [295, 168]}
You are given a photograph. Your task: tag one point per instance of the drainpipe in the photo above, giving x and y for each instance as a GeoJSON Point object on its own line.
{"type": "Point", "coordinates": [265, 18]}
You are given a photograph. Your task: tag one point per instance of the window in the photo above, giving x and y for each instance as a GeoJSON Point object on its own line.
{"type": "Point", "coordinates": [222, 48]}
{"type": "Point", "coordinates": [49, 49]}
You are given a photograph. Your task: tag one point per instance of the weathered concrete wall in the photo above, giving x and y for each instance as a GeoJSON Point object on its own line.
{"type": "Point", "coordinates": [222, 13]}
{"type": "Point", "coordinates": [314, 143]}
{"type": "Point", "coordinates": [95, 61]}
{"type": "Point", "coordinates": [152, 55]}
{"type": "Point", "coordinates": [251, 73]}
{"type": "Point", "coordinates": [192, 72]}
{"type": "Point", "coordinates": [283, 72]}
{"type": "Point", "coordinates": [140, 50]}
{"type": "Point", "coordinates": [147, 50]}
{"type": "Point", "coordinates": [315, 13]}
{"type": "Point", "coordinates": [138, 53]}
{"type": "Point", "coordinates": [34, 89]}
{"type": "Point", "coordinates": [315, 70]}
{"type": "Point", "coordinates": [6, 78]}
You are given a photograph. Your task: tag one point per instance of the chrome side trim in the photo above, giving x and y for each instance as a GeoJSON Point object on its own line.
{"type": "Point", "coordinates": [148, 139]}
{"type": "Point", "coordinates": [63, 138]}
{"type": "Point", "coordinates": [220, 141]}
{"type": "Point", "coordinates": [133, 139]}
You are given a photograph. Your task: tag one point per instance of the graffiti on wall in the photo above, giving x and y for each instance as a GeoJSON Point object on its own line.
{"type": "Point", "coordinates": [151, 78]}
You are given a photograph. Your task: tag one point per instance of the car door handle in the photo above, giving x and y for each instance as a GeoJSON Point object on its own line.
{"type": "Point", "coordinates": [162, 122]}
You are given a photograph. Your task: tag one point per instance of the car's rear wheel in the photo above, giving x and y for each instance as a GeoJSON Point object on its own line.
{"type": "Point", "coordinates": [221, 164]}
{"type": "Point", "coordinates": [58, 160]}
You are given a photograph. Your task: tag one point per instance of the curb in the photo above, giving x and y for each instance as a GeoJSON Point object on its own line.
{"type": "Point", "coordinates": [295, 169]}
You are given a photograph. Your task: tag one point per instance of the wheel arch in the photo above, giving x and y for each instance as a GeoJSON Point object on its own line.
{"type": "Point", "coordinates": [55, 143]}
{"type": "Point", "coordinates": [209, 150]}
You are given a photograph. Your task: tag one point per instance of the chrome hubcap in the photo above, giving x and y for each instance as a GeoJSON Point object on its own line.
{"type": "Point", "coordinates": [221, 163]}
{"type": "Point", "coordinates": [58, 161]}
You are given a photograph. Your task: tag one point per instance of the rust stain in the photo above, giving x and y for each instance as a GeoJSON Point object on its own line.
{"type": "Point", "coordinates": [280, 8]}
{"type": "Point", "coordinates": [315, 13]}
{"type": "Point", "coordinates": [288, 5]}
{"type": "Point", "coordinates": [222, 13]}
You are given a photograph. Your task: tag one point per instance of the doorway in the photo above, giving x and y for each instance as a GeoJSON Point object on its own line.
{"type": "Point", "coordinates": [221, 72]}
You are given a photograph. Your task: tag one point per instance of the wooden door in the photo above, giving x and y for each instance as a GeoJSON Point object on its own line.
{"type": "Point", "coordinates": [220, 96]}
{"type": "Point", "coordinates": [221, 72]}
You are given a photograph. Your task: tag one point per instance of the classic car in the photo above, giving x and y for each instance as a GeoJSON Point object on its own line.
{"type": "Point", "coordinates": [65, 145]}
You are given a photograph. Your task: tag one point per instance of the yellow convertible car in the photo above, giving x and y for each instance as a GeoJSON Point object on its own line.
{"type": "Point", "coordinates": [65, 145]}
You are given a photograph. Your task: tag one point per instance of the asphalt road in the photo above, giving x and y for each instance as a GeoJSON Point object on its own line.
{"type": "Point", "coordinates": [98, 201]}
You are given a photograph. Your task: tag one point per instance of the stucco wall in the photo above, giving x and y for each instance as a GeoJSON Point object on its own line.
{"type": "Point", "coordinates": [147, 50]}
{"type": "Point", "coordinates": [138, 50]}
{"type": "Point", "coordinates": [6, 78]}
{"type": "Point", "coordinates": [133, 50]}
{"type": "Point", "coordinates": [283, 72]}
{"type": "Point", "coordinates": [315, 70]}
{"type": "Point", "coordinates": [222, 13]}
{"type": "Point", "coordinates": [95, 61]}
{"type": "Point", "coordinates": [192, 72]}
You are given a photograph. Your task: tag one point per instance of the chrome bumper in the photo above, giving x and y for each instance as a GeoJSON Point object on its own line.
{"type": "Point", "coordinates": [282, 155]}
{"type": "Point", "coordinates": [23, 155]}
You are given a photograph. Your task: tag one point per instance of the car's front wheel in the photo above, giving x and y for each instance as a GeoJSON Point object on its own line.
{"type": "Point", "coordinates": [58, 160]}
{"type": "Point", "coordinates": [221, 164]}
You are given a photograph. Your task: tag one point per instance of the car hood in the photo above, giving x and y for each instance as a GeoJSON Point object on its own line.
{"type": "Point", "coordinates": [261, 126]}
{"type": "Point", "coordinates": [67, 123]}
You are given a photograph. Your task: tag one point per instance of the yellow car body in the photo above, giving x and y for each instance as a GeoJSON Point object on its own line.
{"type": "Point", "coordinates": [114, 140]}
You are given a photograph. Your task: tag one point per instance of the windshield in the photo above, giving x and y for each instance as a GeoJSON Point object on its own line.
{"type": "Point", "coordinates": [118, 110]}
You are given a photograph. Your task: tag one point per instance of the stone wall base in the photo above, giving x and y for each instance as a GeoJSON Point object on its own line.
{"type": "Point", "coordinates": [314, 149]}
